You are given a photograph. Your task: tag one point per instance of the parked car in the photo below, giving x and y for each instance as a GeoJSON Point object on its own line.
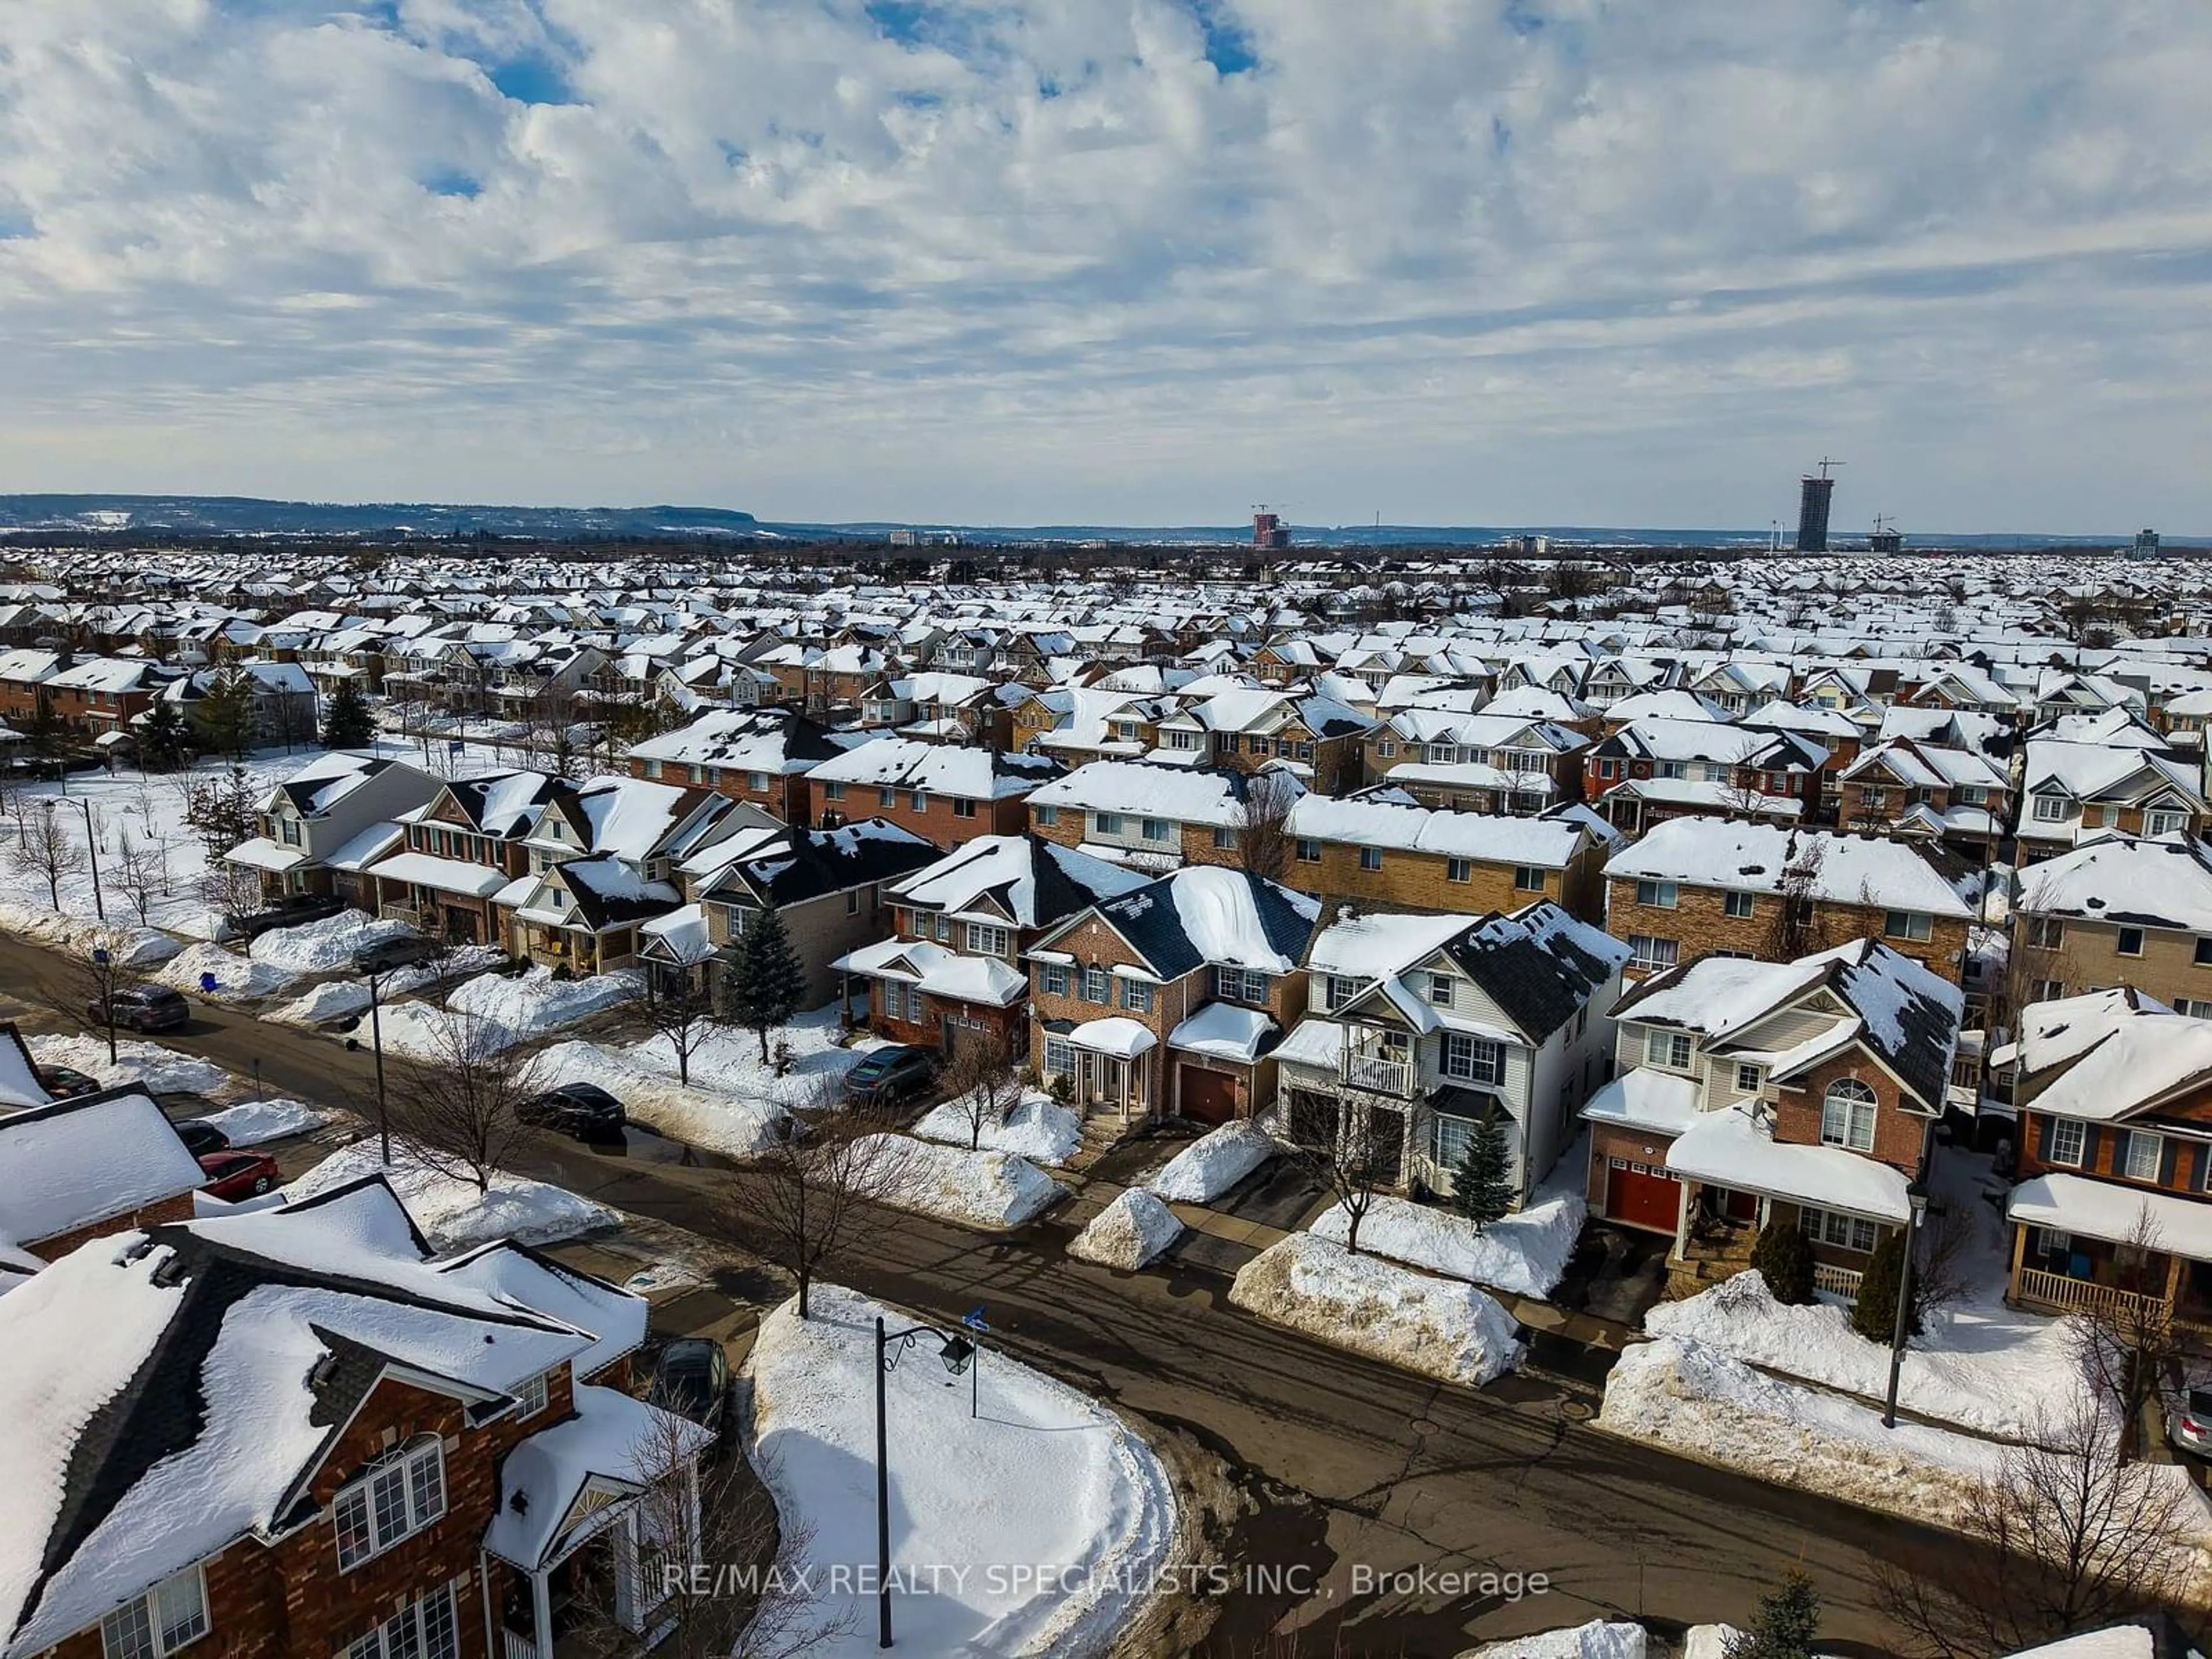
{"type": "Point", "coordinates": [142, 1008]}
{"type": "Point", "coordinates": [583, 1109]}
{"type": "Point", "coordinates": [66, 1082]}
{"type": "Point", "coordinates": [381, 956]}
{"type": "Point", "coordinates": [235, 1176]}
{"type": "Point", "coordinates": [202, 1138]}
{"type": "Point", "coordinates": [890, 1075]}
{"type": "Point", "coordinates": [691, 1377]}
{"type": "Point", "coordinates": [288, 911]}
{"type": "Point", "coordinates": [2189, 1422]}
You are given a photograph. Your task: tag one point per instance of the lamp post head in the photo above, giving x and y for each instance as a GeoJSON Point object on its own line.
{"type": "Point", "coordinates": [957, 1352]}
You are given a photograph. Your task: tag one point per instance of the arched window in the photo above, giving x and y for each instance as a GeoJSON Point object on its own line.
{"type": "Point", "coordinates": [403, 1493]}
{"type": "Point", "coordinates": [1847, 1116]}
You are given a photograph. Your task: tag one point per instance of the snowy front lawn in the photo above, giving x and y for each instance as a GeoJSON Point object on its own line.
{"type": "Point", "coordinates": [494, 1013]}
{"type": "Point", "coordinates": [324, 946]}
{"type": "Point", "coordinates": [222, 975]}
{"type": "Point", "coordinates": [158, 1070]}
{"type": "Point", "coordinates": [972, 1189]}
{"type": "Point", "coordinates": [1043, 1477]}
{"type": "Point", "coordinates": [711, 1119]}
{"type": "Point", "coordinates": [453, 1214]}
{"type": "Point", "coordinates": [1037, 1129]}
{"type": "Point", "coordinates": [325, 1004]}
{"type": "Point", "coordinates": [1214, 1162]}
{"type": "Point", "coordinates": [1128, 1232]}
{"type": "Point", "coordinates": [732, 1057]}
{"type": "Point", "coordinates": [1525, 1254]}
{"type": "Point", "coordinates": [1437, 1327]}
{"type": "Point", "coordinates": [256, 1120]}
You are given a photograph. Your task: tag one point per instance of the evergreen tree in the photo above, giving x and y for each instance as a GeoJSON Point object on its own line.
{"type": "Point", "coordinates": [1788, 1621]}
{"type": "Point", "coordinates": [1873, 1316]}
{"type": "Point", "coordinates": [769, 983]}
{"type": "Point", "coordinates": [1482, 1180]}
{"type": "Point", "coordinates": [44, 728]}
{"type": "Point", "coordinates": [346, 722]}
{"type": "Point", "coordinates": [163, 738]}
{"type": "Point", "coordinates": [224, 717]}
{"type": "Point", "coordinates": [1783, 1257]}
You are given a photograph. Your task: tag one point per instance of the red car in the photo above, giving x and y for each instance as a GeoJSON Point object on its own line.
{"type": "Point", "coordinates": [235, 1176]}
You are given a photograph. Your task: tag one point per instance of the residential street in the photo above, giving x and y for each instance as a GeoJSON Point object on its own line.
{"type": "Point", "coordinates": [1347, 1461]}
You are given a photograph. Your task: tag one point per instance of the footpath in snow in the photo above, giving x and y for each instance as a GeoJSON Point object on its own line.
{"type": "Point", "coordinates": [1058, 1512]}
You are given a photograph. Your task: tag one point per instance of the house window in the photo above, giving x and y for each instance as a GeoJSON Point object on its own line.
{"type": "Point", "coordinates": [914, 1005]}
{"type": "Point", "coordinates": [1155, 829]}
{"type": "Point", "coordinates": [2164, 823]}
{"type": "Point", "coordinates": [918, 799]}
{"type": "Point", "coordinates": [1652, 954]}
{"type": "Point", "coordinates": [1385, 749]}
{"type": "Point", "coordinates": [532, 1395]}
{"type": "Point", "coordinates": [1737, 905]}
{"type": "Point", "coordinates": [2067, 1137]}
{"type": "Point", "coordinates": [1240, 985]}
{"type": "Point", "coordinates": [853, 902]}
{"type": "Point", "coordinates": [652, 769]}
{"type": "Point", "coordinates": [1669, 1049]}
{"type": "Point", "coordinates": [2143, 1154]}
{"type": "Point", "coordinates": [2193, 1008]}
{"type": "Point", "coordinates": [2050, 809]}
{"type": "Point", "coordinates": [986, 940]}
{"type": "Point", "coordinates": [1474, 1059]}
{"type": "Point", "coordinates": [1047, 816]}
{"type": "Point", "coordinates": [963, 808]}
{"type": "Point", "coordinates": [424, 1630]}
{"type": "Point", "coordinates": [2046, 990]}
{"type": "Point", "coordinates": [1908, 924]}
{"type": "Point", "coordinates": [290, 828]}
{"type": "Point", "coordinates": [2130, 942]}
{"type": "Point", "coordinates": [1847, 1116]}
{"type": "Point", "coordinates": [1440, 990]}
{"type": "Point", "coordinates": [1054, 978]}
{"type": "Point", "coordinates": [1095, 984]}
{"type": "Point", "coordinates": [1224, 838]}
{"type": "Point", "coordinates": [399, 1496]}
{"type": "Point", "coordinates": [1308, 851]}
{"type": "Point", "coordinates": [2204, 955]}
{"type": "Point", "coordinates": [1526, 878]}
{"type": "Point", "coordinates": [1746, 1078]}
{"type": "Point", "coordinates": [1607, 769]}
{"type": "Point", "coordinates": [1451, 1135]}
{"type": "Point", "coordinates": [2048, 933]}
{"type": "Point", "coordinates": [886, 798]}
{"type": "Point", "coordinates": [1059, 1056]}
{"type": "Point", "coordinates": [1136, 996]}
{"type": "Point", "coordinates": [833, 791]}
{"type": "Point", "coordinates": [1180, 739]}
{"type": "Point", "coordinates": [1846, 1232]}
{"type": "Point", "coordinates": [1458, 870]}
{"type": "Point", "coordinates": [173, 1613]}
{"type": "Point", "coordinates": [1371, 858]}
{"type": "Point", "coordinates": [1338, 989]}
{"type": "Point", "coordinates": [1659, 895]}
{"type": "Point", "coordinates": [1106, 823]}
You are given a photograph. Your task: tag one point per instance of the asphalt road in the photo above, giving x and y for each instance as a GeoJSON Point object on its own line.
{"type": "Point", "coordinates": [1348, 1464]}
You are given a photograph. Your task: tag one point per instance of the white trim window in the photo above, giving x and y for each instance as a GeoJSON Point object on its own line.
{"type": "Point", "coordinates": [531, 1396]}
{"type": "Point", "coordinates": [1669, 1051]}
{"type": "Point", "coordinates": [1473, 1059]}
{"type": "Point", "coordinates": [1095, 986]}
{"type": "Point", "coordinates": [1651, 955]}
{"type": "Point", "coordinates": [1052, 979]}
{"type": "Point", "coordinates": [1737, 906]}
{"type": "Point", "coordinates": [1847, 1116]}
{"type": "Point", "coordinates": [986, 940]}
{"type": "Point", "coordinates": [1240, 985]}
{"type": "Point", "coordinates": [172, 1614]}
{"type": "Point", "coordinates": [1154, 829]}
{"type": "Point", "coordinates": [1657, 895]}
{"type": "Point", "coordinates": [1440, 990]}
{"type": "Point", "coordinates": [1915, 925]}
{"type": "Point", "coordinates": [2051, 809]}
{"type": "Point", "coordinates": [1846, 1232]}
{"type": "Point", "coordinates": [1059, 1057]}
{"type": "Point", "coordinates": [422, 1630]}
{"type": "Point", "coordinates": [2068, 1138]}
{"type": "Point", "coordinates": [1136, 996]}
{"type": "Point", "coordinates": [394, 1500]}
{"type": "Point", "coordinates": [1528, 878]}
{"type": "Point", "coordinates": [2145, 1152]}
{"type": "Point", "coordinates": [1459, 870]}
{"type": "Point", "coordinates": [1337, 989]}
{"type": "Point", "coordinates": [1748, 1077]}
{"type": "Point", "coordinates": [2166, 823]}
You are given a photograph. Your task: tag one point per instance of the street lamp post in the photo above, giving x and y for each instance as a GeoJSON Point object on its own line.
{"type": "Point", "coordinates": [955, 1351]}
{"type": "Point", "coordinates": [1917, 1196]}
{"type": "Point", "coordinates": [376, 1048]}
{"type": "Point", "coordinates": [92, 851]}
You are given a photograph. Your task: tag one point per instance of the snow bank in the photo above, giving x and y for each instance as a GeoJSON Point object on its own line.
{"type": "Point", "coordinates": [1596, 1640]}
{"type": "Point", "coordinates": [460, 962]}
{"type": "Point", "coordinates": [711, 1119]}
{"type": "Point", "coordinates": [732, 1057]}
{"type": "Point", "coordinates": [1525, 1254]}
{"type": "Point", "coordinates": [1708, 1641]}
{"type": "Point", "coordinates": [161, 1070]}
{"type": "Point", "coordinates": [533, 1001]}
{"type": "Point", "coordinates": [1038, 1129]}
{"type": "Point", "coordinates": [134, 947]}
{"type": "Point", "coordinates": [974, 1189]}
{"type": "Point", "coordinates": [452, 1213]}
{"type": "Point", "coordinates": [322, 1004]}
{"type": "Point", "coordinates": [253, 1121]}
{"type": "Point", "coordinates": [1128, 1232]}
{"type": "Point", "coordinates": [1437, 1327]}
{"type": "Point", "coordinates": [236, 978]}
{"type": "Point", "coordinates": [1214, 1162]}
{"type": "Point", "coordinates": [1044, 1476]}
{"type": "Point", "coordinates": [324, 946]}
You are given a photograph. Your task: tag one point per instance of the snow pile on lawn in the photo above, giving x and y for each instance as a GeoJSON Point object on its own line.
{"type": "Point", "coordinates": [322, 1004]}
{"type": "Point", "coordinates": [460, 962]}
{"type": "Point", "coordinates": [158, 1070]}
{"type": "Point", "coordinates": [1128, 1232]}
{"type": "Point", "coordinates": [1437, 1327]}
{"type": "Point", "coordinates": [256, 1120]}
{"type": "Point", "coordinates": [732, 1057]}
{"type": "Point", "coordinates": [533, 1001]}
{"type": "Point", "coordinates": [422, 1031]}
{"type": "Point", "coordinates": [1525, 1254]}
{"type": "Point", "coordinates": [1044, 1476]}
{"type": "Point", "coordinates": [235, 978]}
{"type": "Point", "coordinates": [1038, 1129]}
{"type": "Point", "coordinates": [324, 946]}
{"type": "Point", "coordinates": [134, 947]}
{"type": "Point", "coordinates": [974, 1189]}
{"type": "Point", "coordinates": [1214, 1162]}
{"type": "Point", "coordinates": [1596, 1640]}
{"type": "Point", "coordinates": [452, 1213]}
{"type": "Point", "coordinates": [1708, 1641]}
{"type": "Point", "coordinates": [712, 1119]}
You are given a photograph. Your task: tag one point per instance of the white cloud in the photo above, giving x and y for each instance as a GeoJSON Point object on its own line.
{"type": "Point", "coordinates": [1458, 260]}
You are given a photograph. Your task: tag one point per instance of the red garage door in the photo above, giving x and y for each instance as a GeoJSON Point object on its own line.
{"type": "Point", "coordinates": [1206, 1097]}
{"type": "Point", "coordinates": [1642, 1195]}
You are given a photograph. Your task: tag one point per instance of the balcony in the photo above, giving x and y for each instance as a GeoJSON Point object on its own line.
{"type": "Point", "coordinates": [1379, 1075]}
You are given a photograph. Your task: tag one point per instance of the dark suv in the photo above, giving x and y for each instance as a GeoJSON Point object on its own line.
{"type": "Point", "coordinates": [142, 1008]}
{"type": "Point", "coordinates": [289, 911]}
{"type": "Point", "coordinates": [691, 1377]}
{"type": "Point", "coordinates": [889, 1076]}
{"type": "Point", "coordinates": [583, 1109]}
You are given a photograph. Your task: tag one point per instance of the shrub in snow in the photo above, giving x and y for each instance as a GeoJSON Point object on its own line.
{"type": "Point", "coordinates": [1128, 1232]}
{"type": "Point", "coordinates": [1782, 1257]}
{"type": "Point", "coordinates": [1873, 1316]}
{"type": "Point", "coordinates": [1787, 1619]}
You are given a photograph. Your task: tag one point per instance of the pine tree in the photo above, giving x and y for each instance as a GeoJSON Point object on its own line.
{"type": "Point", "coordinates": [224, 717]}
{"type": "Point", "coordinates": [346, 722]}
{"type": "Point", "coordinates": [44, 728]}
{"type": "Point", "coordinates": [163, 737]}
{"type": "Point", "coordinates": [1873, 1316]}
{"type": "Point", "coordinates": [1783, 1257]}
{"type": "Point", "coordinates": [770, 983]}
{"type": "Point", "coordinates": [1482, 1180]}
{"type": "Point", "coordinates": [1788, 1621]}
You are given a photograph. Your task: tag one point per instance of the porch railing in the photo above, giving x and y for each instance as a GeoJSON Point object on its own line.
{"type": "Point", "coordinates": [409, 914]}
{"type": "Point", "coordinates": [1383, 1077]}
{"type": "Point", "coordinates": [1837, 1281]}
{"type": "Point", "coordinates": [2068, 1295]}
{"type": "Point", "coordinates": [518, 1647]}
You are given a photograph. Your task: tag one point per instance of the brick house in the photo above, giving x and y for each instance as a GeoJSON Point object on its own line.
{"type": "Point", "coordinates": [943, 794]}
{"type": "Point", "coordinates": [1419, 1025]}
{"type": "Point", "coordinates": [466, 859]}
{"type": "Point", "coordinates": [1243, 727]}
{"type": "Point", "coordinates": [942, 708]}
{"type": "Point", "coordinates": [1478, 762]}
{"type": "Point", "coordinates": [2072, 791]}
{"type": "Point", "coordinates": [1694, 885]}
{"type": "Point", "coordinates": [2114, 1095]}
{"type": "Point", "coordinates": [961, 929]}
{"type": "Point", "coordinates": [318, 823]}
{"type": "Point", "coordinates": [388, 1456]}
{"type": "Point", "coordinates": [1153, 817]}
{"type": "Point", "coordinates": [1384, 855]}
{"type": "Point", "coordinates": [85, 1167]}
{"type": "Point", "coordinates": [1168, 1000]}
{"type": "Point", "coordinates": [2119, 911]}
{"type": "Point", "coordinates": [1651, 770]}
{"type": "Point", "coordinates": [757, 756]}
{"type": "Point", "coordinates": [1924, 791]}
{"type": "Point", "coordinates": [1753, 1093]}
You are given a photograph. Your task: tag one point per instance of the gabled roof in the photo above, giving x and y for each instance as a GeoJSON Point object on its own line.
{"type": "Point", "coordinates": [1207, 915]}
{"type": "Point", "coordinates": [1034, 881]}
{"type": "Point", "coordinates": [73, 1162]}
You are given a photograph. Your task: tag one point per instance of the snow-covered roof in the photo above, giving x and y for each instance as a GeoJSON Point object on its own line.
{"type": "Point", "coordinates": [2165, 883]}
{"type": "Point", "coordinates": [1665, 1102]}
{"type": "Point", "coordinates": [2109, 1210]}
{"type": "Point", "coordinates": [937, 770]}
{"type": "Point", "coordinates": [1208, 915]}
{"type": "Point", "coordinates": [1539, 843]}
{"type": "Point", "coordinates": [614, 1443]}
{"type": "Point", "coordinates": [1117, 1034]}
{"type": "Point", "coordinates": [1224, 1031]}
{"type": "Point", "coordinates": [2107, 1055]}
{"type": "Point", "coordinates": [1730, 1148]}
{"type": "Point", "coordinates": [71, 1162]}
{"type": "Point", "coordinates": [1034, 882]}
{"type": "Point", "coordinates": [446, 875]}
{"type": "Point", "coordinates": [1755, 858]}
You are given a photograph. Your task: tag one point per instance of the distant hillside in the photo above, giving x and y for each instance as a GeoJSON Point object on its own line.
{"type": "Point", "coordinates": [244, 515]}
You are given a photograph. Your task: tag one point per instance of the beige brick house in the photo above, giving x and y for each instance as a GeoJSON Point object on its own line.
{"type": "Point", "coordinates": [2119, 911]}
{"type": "Point", "coordinates": [1386, 856]}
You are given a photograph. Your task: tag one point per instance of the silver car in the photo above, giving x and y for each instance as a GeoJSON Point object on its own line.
{"type": "Point", "coordinates": [2189, 1422]}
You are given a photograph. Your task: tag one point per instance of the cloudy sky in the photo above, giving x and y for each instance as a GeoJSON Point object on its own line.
{"type": "Point", "coordinates": [1137, 261]}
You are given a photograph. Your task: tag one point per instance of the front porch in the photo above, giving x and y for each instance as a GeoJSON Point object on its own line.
{"type": "Point", "coordinates": [1719, 1227]}
{"type": "Point", "coordinates": [2082, 1245]}
{"type": "Point", "coordinates": [1110, 1065]}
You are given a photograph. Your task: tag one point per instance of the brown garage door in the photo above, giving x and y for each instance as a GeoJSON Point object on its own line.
{"type": "Point", "coordinates": [1206, 1097]}
{"type": "Point", "coordinates": [1642, 1195]}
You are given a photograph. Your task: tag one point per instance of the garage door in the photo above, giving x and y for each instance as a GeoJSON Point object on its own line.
{"type": "Point", "coordinates": [1642, 1195]}
{"type": "Point", "coordinates": [1206, 1097]}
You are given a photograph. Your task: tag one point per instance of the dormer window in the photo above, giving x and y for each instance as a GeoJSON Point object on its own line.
{"type": "Point", "coordinates": [1440, 990]}
{"type": "Point", "coordinates": [2050, 809]}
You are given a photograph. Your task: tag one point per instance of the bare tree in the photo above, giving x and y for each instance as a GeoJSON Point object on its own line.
{"type": "Point", "coordinates": [2070, 1537]}
{"type": "Point", "coordinates": [678, 1008]}
{"type": "Point", "coordinates": [803, 1202]}
{"type": "Point", "coordinates": [140, 873]}
{"type": "Point", "coordinates": [2127, 1342]}
{"type": "Point", "coordinates": [984, 1086]}
{"type": "Point", "coordinates": [1797, 928]}
{"type": "Point", "coordinates": [85, 997]}
{"type": "Point", "coordinates": [1346, 1147]}
{"type": "Point", "coordinates": [456, 1106]}
{"type": "Point", "coordinates": [1262, 825]}
{"type": "Point", "coordinates": [45, 847]}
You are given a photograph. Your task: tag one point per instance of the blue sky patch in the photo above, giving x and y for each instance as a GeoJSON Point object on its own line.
{"type": "Point", "coordinates": [1228, 47]}
{"type": "Point", "coordinates": [452, 181]}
